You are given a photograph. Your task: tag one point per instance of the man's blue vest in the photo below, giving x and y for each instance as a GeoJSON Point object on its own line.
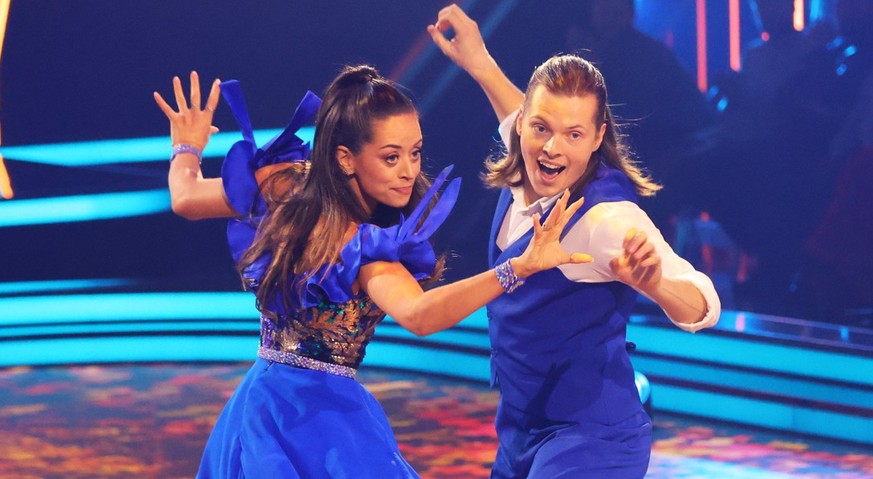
{"type": "Point", "coordinates": [558, 348]}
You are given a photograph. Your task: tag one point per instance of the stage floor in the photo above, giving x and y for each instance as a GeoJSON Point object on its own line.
{"type": "Point", "coordinates": [151, 421]}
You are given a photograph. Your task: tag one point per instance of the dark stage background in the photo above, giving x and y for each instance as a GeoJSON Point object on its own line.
{"type": "Point", "coordinates": [84, 70]}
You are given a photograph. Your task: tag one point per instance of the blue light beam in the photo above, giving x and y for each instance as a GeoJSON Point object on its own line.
{"type": "Point", "coordinates": [131, 150]}
{"type": "Point", "coordinates": [68, 209]}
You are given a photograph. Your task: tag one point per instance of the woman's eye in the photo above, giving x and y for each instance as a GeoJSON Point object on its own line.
{"type": "Point", "coordinates": [416, 155]}
{"type": "Point", "coordinates": [392, 158]}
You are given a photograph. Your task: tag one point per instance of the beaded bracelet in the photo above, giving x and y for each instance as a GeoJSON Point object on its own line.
{"type": "Point", "coordinates": [507, 277]}
{"type": "Point", "coordinates": [186, 148]}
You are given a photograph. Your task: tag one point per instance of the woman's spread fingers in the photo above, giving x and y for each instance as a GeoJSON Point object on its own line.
{"type": "Point", "coordinates": [214, 92]}
{"type": "Point", "coordinates": [575, 206]}
{"type": "Point", "coordinates": [581, 258]}
{"type": "Point", "coordinates": [538, 228]}
{"type": "Point", "coordinates": [164, 106]}
{"type": "Point", "coordinates": [181, 102]}
{"type": "Point", "coordinates": [195, 91]}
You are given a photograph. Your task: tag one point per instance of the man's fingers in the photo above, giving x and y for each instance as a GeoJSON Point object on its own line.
{"type": "Point", "coordinates": [629, 235]}
{"type": "Point", "coordinates": [441, 41]}
{"type": "Point", "coordinates": [641, 252]}
{"type": "Point", "coordinates": [458, 17]}
{"type": "Point", "coordinates": [650, 261]}
{"type": "Point", "coordinates": [615, 264]}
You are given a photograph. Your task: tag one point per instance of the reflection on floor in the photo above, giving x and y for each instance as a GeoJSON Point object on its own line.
{"type": "Point", "coordinates": [151, 421]}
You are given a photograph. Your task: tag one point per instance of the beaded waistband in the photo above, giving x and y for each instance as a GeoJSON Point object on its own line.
{"type": "Point", "coordinates": [292, 359]}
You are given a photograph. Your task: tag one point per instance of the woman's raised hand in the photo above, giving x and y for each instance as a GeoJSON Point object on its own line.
{"type": "Point", "coordinates": [545, 250]}
{"type": "Point", "coordinates": [191, 124]}
{"type": "Point", "coordinates": [466, 48]}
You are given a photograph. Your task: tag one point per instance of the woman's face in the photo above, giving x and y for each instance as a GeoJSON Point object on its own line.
{"type": "Point", "coordinates": [385, 169]}
{"type": "Point", "coordinates": [558, 135]}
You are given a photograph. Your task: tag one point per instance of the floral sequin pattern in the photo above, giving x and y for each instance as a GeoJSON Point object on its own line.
{"type": "Point", "coordinates": [335, 333]}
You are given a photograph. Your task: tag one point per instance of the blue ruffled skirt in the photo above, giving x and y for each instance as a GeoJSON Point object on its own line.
{"type": "Point", "coordinates": [290, 422]}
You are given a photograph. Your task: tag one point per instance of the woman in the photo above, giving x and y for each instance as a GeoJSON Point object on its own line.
{"type": "Point", "coordinates": [331, 256]}
{"type": "Point", "coordinates": [568, 404]}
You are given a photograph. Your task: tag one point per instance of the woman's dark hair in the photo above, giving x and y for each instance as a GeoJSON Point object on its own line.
{"type": "Point", "coordinates": [308, 229]}
{"type": "Point", "coordinates": [572, 76]}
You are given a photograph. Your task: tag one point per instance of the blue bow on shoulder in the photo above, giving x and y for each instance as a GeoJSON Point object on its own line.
{"type": "Point", "coordinates": [244, 157]}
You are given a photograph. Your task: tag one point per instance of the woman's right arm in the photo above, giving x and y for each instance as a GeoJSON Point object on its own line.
{"type": "Point", "coordinates": [467, 50]}
{"type": "Point", "coordinates": [193, 197]}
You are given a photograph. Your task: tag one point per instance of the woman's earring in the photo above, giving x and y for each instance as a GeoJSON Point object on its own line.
{"type": "Point", "coordinates": [343, 157]}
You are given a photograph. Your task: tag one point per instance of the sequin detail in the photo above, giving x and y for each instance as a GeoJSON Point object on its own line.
{"type": "Point", "coordinates": [292, 359]}
{"type": "Point", "coordinates": [330, 333]}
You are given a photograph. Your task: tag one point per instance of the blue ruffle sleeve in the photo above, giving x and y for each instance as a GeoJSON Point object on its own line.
{"type": "Point", "coordinates": [406, 243]}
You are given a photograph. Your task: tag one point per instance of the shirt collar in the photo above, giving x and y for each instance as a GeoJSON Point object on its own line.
{"type": "Point", "coordinates": [539, 206]}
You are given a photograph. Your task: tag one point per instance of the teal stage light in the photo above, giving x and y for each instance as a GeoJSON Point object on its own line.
{"type": "Point", "coordinates": [67, 209]}
{"type": "Point", "coordinates": [132, 150]}
{"type": "Point", "coordinates": [33, 310]}
{"type": "Point", "coordinates": [29, 287]}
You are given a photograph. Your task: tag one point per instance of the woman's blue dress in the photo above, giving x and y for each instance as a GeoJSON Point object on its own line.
{"type": "Point", "coordinates": [299, 412]}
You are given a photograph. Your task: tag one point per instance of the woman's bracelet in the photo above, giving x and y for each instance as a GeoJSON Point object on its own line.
{"type": "Point", "coordinates": [179, 148]}
{"type": "Point", "coordinates": [506, 276]}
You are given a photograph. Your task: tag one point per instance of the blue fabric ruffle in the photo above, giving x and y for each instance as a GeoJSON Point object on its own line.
{"type": "Point", "coordinates": [406, 243]}
{"type": "Point", "coordinates": [244, 157]}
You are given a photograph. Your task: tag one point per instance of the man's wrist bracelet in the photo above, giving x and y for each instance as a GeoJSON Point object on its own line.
{"type": "Point", "coordinates": [186, 148]}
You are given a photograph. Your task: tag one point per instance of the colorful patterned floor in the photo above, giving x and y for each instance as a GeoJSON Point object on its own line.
{"type": "Point", "coordinates": [150, 421]}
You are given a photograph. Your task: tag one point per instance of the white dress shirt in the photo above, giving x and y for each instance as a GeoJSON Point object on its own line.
{"type": "Point", "coordinates": [600, 233]}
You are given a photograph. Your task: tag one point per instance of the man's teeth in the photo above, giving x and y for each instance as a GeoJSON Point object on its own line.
{"type": "Point", "coordinates": [551, 169]}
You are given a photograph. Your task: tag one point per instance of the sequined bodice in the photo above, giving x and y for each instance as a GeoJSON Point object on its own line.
{"type": "Point", "coordinates": [335, 333]}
